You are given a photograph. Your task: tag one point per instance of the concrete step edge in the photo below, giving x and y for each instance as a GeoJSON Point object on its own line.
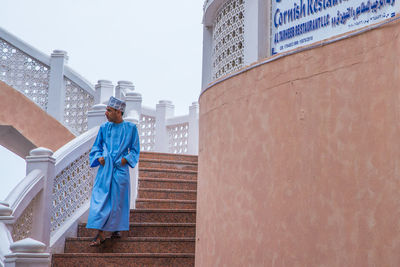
{"type": "Point", "coordinates": [151, 224]}
{"type": "Point", "coordinates": [167, 170]}
{"type": "Point", "coordinates": [168, 161]}
{"type": "Point", "coordinates": [139, 239]}
{"type": "Point", "coordinates": [147, 154]}
{"type": "Point", "coordinates": [165, 200]}
{"type": "Point", "coordinates": [144, 210]}
{"type": "Point", "coordinates": [125, 255]}
{"type": "Point", "coordinates": [167, 180]}
{"type": "Point", "coordinates": [168, 190]}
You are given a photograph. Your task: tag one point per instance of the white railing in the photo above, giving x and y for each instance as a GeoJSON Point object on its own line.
{"type": "Point", "coordinates": [16, 218]}
{"type": "Point", "coordinates": [68, 97]}
{"type": "Point", "coordinates": [147, 132]}
{"type": "Point", "coordinates": [76, 107]}
{"type": "Point", "coordinates": [159, 130]}
{"type": "Point", "coordinates": [71, 186]}
{"type": "Point", "coordinates": [54, 197]}
{"type": "Point", "coordinates": [25, 73]}
{"type": "Point", "coordinates": [47, 81]}
{"type": "Point", "coordinates": [178, 135]}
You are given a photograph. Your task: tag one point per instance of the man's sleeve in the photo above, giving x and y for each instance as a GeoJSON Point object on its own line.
{"type": "Point", "coordinates": [97, 150]}
{"type": "Point", "coordinates": [133, 156]}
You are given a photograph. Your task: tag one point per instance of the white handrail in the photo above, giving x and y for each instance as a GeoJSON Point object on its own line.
{"type": "Point", "coordinates": [148, 111]}
{"type": "Point", "coordinates": [27, 189]}
{"type": "Point", "coordinates": [67, 153]}
{"type": "Point", "coordinates": [19, 199]}
{"type": "Point", "coordinates": [24, 47]}
{"type": "Point", "coordinates": [177, 120]}
{"type": "Point", "coordinates": [74, 178]}
{"type": "Point", "coordinates": [79, 80]}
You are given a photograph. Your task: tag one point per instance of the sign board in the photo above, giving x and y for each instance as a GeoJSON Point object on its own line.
{"type": "Point", "coordinates": [296, 23]}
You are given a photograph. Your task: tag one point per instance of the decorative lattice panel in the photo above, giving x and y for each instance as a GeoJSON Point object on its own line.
{"type": "Point", "coordinates": [22, 228]}
{"type": "Point", "coordinates": [178, 138]}
{"type": "Point", "coordinates": [228, 40]}
{"type": "Point", "coordinates": [147, 133]}
{"type": "Point", "coordinates": [24, 73]}
{"type": "Point", "coordinates": [77, 104]}
{"type": "Point", "coordinates": [71, 190]}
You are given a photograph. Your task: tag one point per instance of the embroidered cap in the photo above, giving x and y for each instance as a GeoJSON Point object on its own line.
{"type": "Point", "coordinates": [116, 103]}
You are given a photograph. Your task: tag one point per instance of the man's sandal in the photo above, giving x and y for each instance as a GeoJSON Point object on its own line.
{"type": "Point", "coordinates": [97, 241]}
{"type": "Point", "coordinates": [115, 235]}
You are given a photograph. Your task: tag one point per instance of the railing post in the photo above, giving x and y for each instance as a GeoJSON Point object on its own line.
{"type": "Point", "coordinates": [133, 103]}
{"type": "Point", "coordinates": [27, 253]}
{"type": "Point", "coordinates": [133, 116]}
{"type": "Point", "coordinates": [193, 138]}
{"type": "Point", "coordinates": [164, 110]}
{"type": "Point", "coordinates": [104, 89]}
{"type": "Point", "coordinates": [41, 158]}
{"type": "Point", "coordinates": [6, 213]}
{"type": "Point", "coordinates": [122, 88]}
{"type": "Point", "coordinates": [96, 116]}
{"type": "Point", "coordinates": [55, 104]}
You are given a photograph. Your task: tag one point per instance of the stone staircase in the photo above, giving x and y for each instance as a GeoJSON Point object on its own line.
{"type": "Point", "coordinates": [162, 227]}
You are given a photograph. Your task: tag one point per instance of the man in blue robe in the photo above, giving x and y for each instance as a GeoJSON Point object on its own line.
{"type": "Point", "coordinates": [116, 149]}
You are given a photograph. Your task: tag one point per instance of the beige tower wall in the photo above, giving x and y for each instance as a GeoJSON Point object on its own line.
{"type": "Point", "coordinates": [299, 159]}
{"type": "Point", "coordinates": [24, 125]}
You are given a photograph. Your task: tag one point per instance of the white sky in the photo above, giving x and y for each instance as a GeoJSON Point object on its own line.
{"type": "Point", "coordinates": [156, 44]}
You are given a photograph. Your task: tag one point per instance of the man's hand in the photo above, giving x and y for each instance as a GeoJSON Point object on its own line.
{"type": "Point", "coordinates": [102, 161]}
{"type": "Point", "coordinates": [123, 161]}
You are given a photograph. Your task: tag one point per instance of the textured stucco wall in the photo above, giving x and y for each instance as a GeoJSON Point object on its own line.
{"type": "Point", "coordinates": [299, 159]}
{"type": "Point", "coordinates": [30, 121]}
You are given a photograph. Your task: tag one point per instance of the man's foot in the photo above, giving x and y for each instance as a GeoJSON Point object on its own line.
{"type": "Point", "coordinates": [97, 240]}
{"type": "Point", "coordinates": [116, 234]}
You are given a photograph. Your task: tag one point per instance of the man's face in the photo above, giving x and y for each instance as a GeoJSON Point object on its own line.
{"type": "Point", "coordinates": [112, 114]}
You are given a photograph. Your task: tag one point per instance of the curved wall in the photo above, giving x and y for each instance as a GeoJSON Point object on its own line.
{"type": "Point", "coordinates": [227, 44]}
{"type": "Point", "coordinates": [299, 159]}
{"type": "Point", "coordinates": [24, 125]}
{"type": "Point", "coordinates": [236, 33]}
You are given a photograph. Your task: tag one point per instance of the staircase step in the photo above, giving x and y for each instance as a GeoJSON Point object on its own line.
{"type": "Point", "coordinates": [142, 203]}
{"type": "Point", "coordinates": [165, 173]}
{"type": "Point", "coordinates": [162, 227]}
{"type": "Point", "coordinates": [168, 156]}
{"type": "Point", "coordinates": [123, 259]}
{"type": "Point", "coordinates": [155, 193]}
{"type": "Point", "coordinates": [131, 245]}
{"type": "Point", "coordinates": [167, 183]}
{"type": "Point", "coordinates": [167, 164]}
{"type": "Point", "coordinates": [163, 215]}
{"type": "Point", "coordinates": [148, 230]}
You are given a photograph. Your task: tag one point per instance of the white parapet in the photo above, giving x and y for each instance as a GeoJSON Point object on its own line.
{"type": "Point", "coordinates": [123, 88]}
{"type": "Point", "coordinates": [42, 159]}
{"type": "Point", "coordinates": [193, 132]}
{"type": "Point", "coordinates": [96, 116]}
{"type": "Point", "coordinates": [133, 103]}
{"type": "Point", "coordinates": [164, 110]}
{"type": "Point", "coordinates": [6, 213]}
{"type": "Point", "coordinates": [104, 89]}
{"type": "Point", "coordinates": [55, 105]}
{"type": "Point", "coordinates": [27, 253]}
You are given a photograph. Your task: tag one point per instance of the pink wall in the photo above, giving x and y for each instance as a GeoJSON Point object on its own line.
{"type": "Point", "coordinates": [34, 124]}
{"type": "Point", "coordinates": [299, 159]}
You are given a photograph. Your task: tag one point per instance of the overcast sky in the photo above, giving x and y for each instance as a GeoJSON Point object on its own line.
{"type": "Point", "coordinates": [155, 44]}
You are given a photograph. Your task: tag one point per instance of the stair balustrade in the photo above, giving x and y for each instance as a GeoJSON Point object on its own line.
{"type": "Point", "coordinates": [54, 196]}
{"type": "Point", "coordinates": [68, 97]}
{"type": "Point", "coordinates": [47, 81]}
